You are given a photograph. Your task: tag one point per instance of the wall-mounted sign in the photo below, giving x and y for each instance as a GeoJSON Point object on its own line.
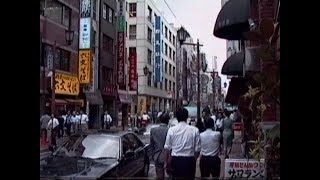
{"type": "Point", "coordinates": [109, 90]}
{"type": "Point", "coordinates": [120, 62]}
{"type": "Point", "coordinates": [66, 84]}
{"type": "Point", "coordinates": [158, 62]}
{"type": "Point", "coordinates": [122, 7]}
{"type": "Point", "coordinates": [85, 33]}
{"type": "Point", "coordinates": [85, 8]}
{"type": "Point", "coordinates": [85, 66]}
{"type": "Point", "coordinates": [133, 72]}
{"type": "Point", "coordinates": [243, 168]}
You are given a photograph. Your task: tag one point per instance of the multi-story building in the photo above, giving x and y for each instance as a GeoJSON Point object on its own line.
{"type": "Point", "coordinates": [148, 30]}
{"type": "Point", "coordinates": [55, 18]}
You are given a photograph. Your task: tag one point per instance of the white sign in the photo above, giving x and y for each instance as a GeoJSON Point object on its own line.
{"type": "Point", "coordinates": [85, 33]}
{"type": "Point", "coordinates": [244, 168]}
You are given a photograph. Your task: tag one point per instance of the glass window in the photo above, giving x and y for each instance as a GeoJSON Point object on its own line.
{"type": "Point", "coordinates": [110, 15]}
{"type": "Point", "coordinates": [149, 34]}
{"type": "Point", "coordinates": [149, 56]}
{"type": "Point", "coordinates": [107, 44]}
{"type": "Point", "coordinates": [58, 12]}
{"type": "Point", "coordinates": [104, 11]}
{"type": "Point", "coordinates": [132, 31]}
{"type": "Point", "coordinates": [166, 67]}
{"type": "Point", "coordinates": [173, 40]}
{"type": "Point", "coordinates": [132, 9]}
{"type": "Point", "coordinates": [166, 84]}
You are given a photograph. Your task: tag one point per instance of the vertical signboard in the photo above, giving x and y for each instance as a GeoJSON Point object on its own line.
{"type": "Point", "coordinates": [120, 61]}
{"type": "Point", "coordinates": [133, 71]}
{"type": "Point", "coordinates": [84, 66]}
{"type": "Point", "coordinates": [85, 8]}
{"type": "Point", "coordinates": [85, 33]}
{"type": "Point", "coordinates": [158, 64]}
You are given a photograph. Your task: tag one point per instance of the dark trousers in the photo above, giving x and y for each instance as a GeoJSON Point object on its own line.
{"type": "Point", "coordinates": [44, 135]}
{"type": "Point", "coordinates": [210, 165]}
{"type": "Point", "coordinates": [60, 131]}
{"type": "Point", "coordinates": [68, 131]}
{"type": "Point", "coordinates": [183, 167]}
{"type": "Point", "coordinates": [54, 133]}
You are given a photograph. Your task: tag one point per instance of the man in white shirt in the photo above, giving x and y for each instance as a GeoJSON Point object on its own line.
{"type": "Point", "coordinates": [145, 119]}
{"type": "Point", "coordinates": [107, 119]}
{"type": "Point", "coordinates": [53, 125]}
{"type": "Point", "coordinates": [210, 147]}
{"type": "Point", "coordinates": [83, 121]}
{"type": "Point", "coordinates": [74, 122]}
{"type": "Point", "coordinates": [182, 147]}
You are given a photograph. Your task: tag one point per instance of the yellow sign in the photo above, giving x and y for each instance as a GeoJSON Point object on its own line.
{"type": "Point", "coordinates": [85, 66]}
{"type": "Point", "coordinates": [66, 84]}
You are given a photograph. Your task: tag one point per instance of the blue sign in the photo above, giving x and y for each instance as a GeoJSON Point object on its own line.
{"type": "Point", "coordinates": [157, 52]}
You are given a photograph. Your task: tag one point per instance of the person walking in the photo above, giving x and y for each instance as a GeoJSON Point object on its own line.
{"type": "Point", "coordinates": [107, 120]}
{"type": "Point", "coordinates": [61, 121]}
{"type": "Point", "coordinates": [200, 125]}
{"type": "Point", "coordinates": [227, 134]}
{"type": "Point", "coordinates": [68, 123]}
{"type": "Point", "coordinates": [83, 121]}
{"type": "Point", "coordinates": [44, 120]}
{"type": "Point", "coordinates": [210, 162]}
{"type": "Point", "coordinates": [182, 148]}
{"type": "Point", "coordinates": [53, 126]}
{"type": "Point", "coordinates": [157, 139]}
{"type": "Point", "coordinates": [74, 122]}
{"type": "Point", "coordinates": [145, 119]}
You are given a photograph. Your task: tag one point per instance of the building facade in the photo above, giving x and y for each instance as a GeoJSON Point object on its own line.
{"type": "Point", "coordinates": [55, 18]}
{"type": "Point", "coordinates": [153, 40]}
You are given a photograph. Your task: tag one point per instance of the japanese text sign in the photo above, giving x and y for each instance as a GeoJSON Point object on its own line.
{"type": "Point", "coordinates": [85, 33]}
{"type": "Point", "coordinates": [158, 62]}
{"type": "Point", "coordinates": [133, 72]}
{"type": "Point", "coordinates": [84, 66]}
{"type": "Point", "coordinates": [66, 84]}
{"type": "Point", "coordinates": [120, 62]}
{"type": "Point", "coordinates": [243, 168]}
{"type": "Point", "coordinates": [85, 8]}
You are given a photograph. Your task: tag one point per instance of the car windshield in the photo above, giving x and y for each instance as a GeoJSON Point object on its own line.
{"type": "Point", "coordinates": [92, 146]}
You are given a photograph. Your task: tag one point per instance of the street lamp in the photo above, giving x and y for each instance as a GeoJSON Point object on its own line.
{"type": "Point", "coordinates": [182, 35]}
{"type": "Point", "coordinates": [69, 38]}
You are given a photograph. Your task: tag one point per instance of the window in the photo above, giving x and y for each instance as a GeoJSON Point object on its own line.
{"type": "Point", "coordinates": [107, 44]}
{"type": "Point", "coordinates": [126, 6]}
{"type": "Point", "coordinates": [132, 50]}
{"type": "Point", "coordinates": [173, 40]}
{"type": "Point", "coordinates": [166, 84]}
{"type": "Point", "coordinates": [149, 34]}
{"type": "Point", "coordinates": [62, 57]}
{"type": "Point", "coordinates": [162, 64]}
{"type": "Point", "coordinates": [58, 12]}
{"type": "Point", "coordinates": [132, 9]}
{"type": "Point", "coordinates": [126, 29]}
{"type": "Point", "coordinates": [107, 75]}
{"type": "Point", "coordinates": [174, 72]}
{"type": "Point", "coordinates": [162, 47]}
{"type": "Point", "coordinates": [155, 85]}
{"type": "Point", "coordinates": [170, 36]}
{"type": "Point", "coordinates": [173, 56]}
{"type": "Point", "coordinates": [162, 29]}
{"type": "Point", "coordinates": [161, 85]}
{"type": "Point", "coordinates": [108, 13]}
{"type": "Point", "coordinates": [149, 56]}
{"type": "Point", "coordinates": [132, 31]}
{"type": "Point", "coordinates": [94, 41]}
{"type": "Point", "coordinates": [94, 9]}
{"type": "Point", "coordinates": [149, 78]}
{"type": "Point", "coordinates": [166, 67]}
{"type": "Point", "coordinates": [174, 87]}
{"type": "Point", "coordinates": [170, 66]}
{"type": "Point", "coordinates": [169, 85]}
{"type": "Point", "coordinates": [166, 49]}
{"type": "Point", "coordinates": [104, 11]}
{"type": "Point", "coordinates": [170, 53]}
{"type": "Point", "coordinates": [166, 32]}
{"type": "Point", "coordinates": [149, 14]}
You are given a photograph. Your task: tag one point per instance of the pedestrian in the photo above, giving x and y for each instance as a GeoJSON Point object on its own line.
{"type": "Point", "coordinates": [61, 124]}
{"type": "Point", "coordinates": [182, 148]}
{"type": "Point", "coordinates": [200, 125]}
{"type": "Point", "coordinates": [145, 119]}
{"type": "Point", "coordinates": [68, 123]}
{"type": "Point", "coordinates": [44, 120]}
{"type": "Point", "coordinates": [74, 122]}
{"type": "Point", "coordinates": [228, 134]}
{"type": "Point", "coordinates": [210, 162]}
{"type": "Point", "coordinates": [53, 126]}
{"type": "Point", "coordinates": [107, 120]}
{"type": "Point", "coordinates": [157, 139]}
{"type": "Point", "coordinates": [219, 122]}
{"type": "Point", "coordinates": [83, 121]}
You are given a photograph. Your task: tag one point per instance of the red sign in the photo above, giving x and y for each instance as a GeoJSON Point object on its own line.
{"type": "Point", "coordinates": [237, 126]}
{"type": "Point", "coordinates": [109, 90]}
{"type": "Point", "coordinates": [133, 75]}
{"type": "Point", "coordinates": [120, 62]}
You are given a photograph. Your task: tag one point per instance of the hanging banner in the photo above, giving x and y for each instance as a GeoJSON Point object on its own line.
{"type": "Point", "coordinates": [133, 79]}
{"type": "Point", "coordinates": [66, 84]}
{"type": "Point", "coordinates": [85, 60]}
{"type": "Point", "coordinates": [158, 62]}
{"type": "Point", "coordinates": [120, 62]}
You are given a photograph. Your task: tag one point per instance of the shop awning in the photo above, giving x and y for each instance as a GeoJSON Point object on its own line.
{"type": "Point", "coordinates": [94, 98]}
{"type": "Point", "coordinates": [232, 20]}
{"type": "Point", "coordinates": [124, 98]}
{"type": "Point", "coordinates": [233, 65]}
{"type": "Point", "coordinates": [237, 88]}
{"type": "Point", "coordinates": [79, 102]}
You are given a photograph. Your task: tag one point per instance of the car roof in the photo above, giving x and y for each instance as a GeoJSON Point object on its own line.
{"type": "Point", "coordinates": [115, 133]}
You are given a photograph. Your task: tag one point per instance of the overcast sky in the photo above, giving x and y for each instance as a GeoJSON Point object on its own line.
{"type": "Point", "coordinates": [198, 17]}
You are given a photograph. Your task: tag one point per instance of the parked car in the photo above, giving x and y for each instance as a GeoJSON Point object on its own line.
{"type": "Point", "coordinates": [97, 155]}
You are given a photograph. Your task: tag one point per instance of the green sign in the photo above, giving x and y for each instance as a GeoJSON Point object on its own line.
{"type": "Point", "coordinates": [121, 24]}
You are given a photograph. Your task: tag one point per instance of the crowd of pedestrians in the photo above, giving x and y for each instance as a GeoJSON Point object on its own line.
{"type": "Point", "coordinates": [175, 150]}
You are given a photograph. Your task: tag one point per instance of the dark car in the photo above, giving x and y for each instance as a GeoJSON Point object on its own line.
{"type": "Point", "coordinates": [97, 155]}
